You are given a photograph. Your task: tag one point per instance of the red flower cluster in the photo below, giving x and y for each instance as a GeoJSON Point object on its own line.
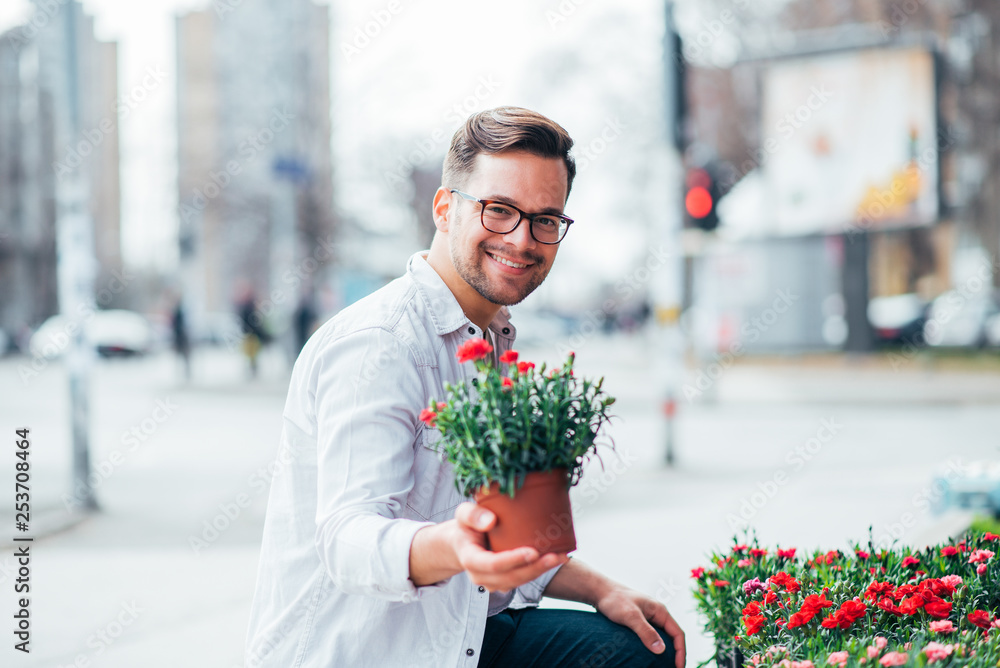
{"type": "Point", "coordinates": [927, 595]}
{"type": "Point", "coordinates": [812, 606]}
{"type": "Point", "coordinates": [980, 618]}
{"type": "Point", "coordinates": [473, 349]}
{"type": "Point", "coordinates": [848, 613]}
{"type": "Point", "coordinates": [910, 561]}
{"type": "Point", "coordinates": [786, 581]}
{"type": "Point", "coordinates": [949, 551]}
{"type": "Point", "coordinates": [786, 554]}
{"type": "Point", "coordinates": [524, 367]}
{"type": "Point", "coordinates": [429, 417]}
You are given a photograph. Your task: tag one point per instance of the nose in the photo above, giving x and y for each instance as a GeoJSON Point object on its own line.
{"type": "Point", "coordinates": [520, 236]}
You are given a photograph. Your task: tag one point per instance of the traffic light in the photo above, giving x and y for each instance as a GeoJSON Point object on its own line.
{"type": "Point", "coordinates": [701, 196]}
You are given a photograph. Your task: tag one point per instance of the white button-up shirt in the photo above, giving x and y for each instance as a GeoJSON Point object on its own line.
{"type": "Point", "coordinates": [356, 477]}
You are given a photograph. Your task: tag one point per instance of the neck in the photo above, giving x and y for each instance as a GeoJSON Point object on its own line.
{"type": "Point", "coordinates": [477, 308]}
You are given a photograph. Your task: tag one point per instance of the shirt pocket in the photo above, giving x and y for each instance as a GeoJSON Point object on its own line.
{"type": "Point", "coordinates": [433, 497]}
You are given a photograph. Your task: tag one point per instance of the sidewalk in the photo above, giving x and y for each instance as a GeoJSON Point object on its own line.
{"type": "Point", "coordinates": [149, 581]}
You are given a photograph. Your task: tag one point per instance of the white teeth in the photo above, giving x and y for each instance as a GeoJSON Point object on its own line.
{"type": "Point", "coordinates": [507, 262]}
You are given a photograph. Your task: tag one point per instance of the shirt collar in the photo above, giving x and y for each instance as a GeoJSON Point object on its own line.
{"type": "Point", "coordinates": [445, 311]}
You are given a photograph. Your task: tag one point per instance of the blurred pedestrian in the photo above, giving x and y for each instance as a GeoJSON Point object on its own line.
{"type": "Point", "coordinates": [181, 340]}
{"type": "Point", "coordinates": [304, 320]}
{"type": "Point", "coordinates": [255, 336]}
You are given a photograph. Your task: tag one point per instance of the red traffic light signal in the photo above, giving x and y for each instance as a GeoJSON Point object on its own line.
{"type": "Point", "coordinates": [700, 199]}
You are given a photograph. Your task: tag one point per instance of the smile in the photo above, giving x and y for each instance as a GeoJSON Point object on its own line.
{"type": "Point", "coordinates": [503, 260]}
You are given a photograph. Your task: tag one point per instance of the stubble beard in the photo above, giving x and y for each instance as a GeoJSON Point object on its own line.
{"type": "Point", "coordinates": [470, 269]}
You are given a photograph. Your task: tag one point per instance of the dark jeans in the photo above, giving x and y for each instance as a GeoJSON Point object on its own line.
{"type": "Point", "coordinates": [553, 638]}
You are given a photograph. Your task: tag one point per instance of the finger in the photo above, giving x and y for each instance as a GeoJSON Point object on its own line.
{"type": "Point", "coordinates": [660, 616]}
{"type": "Point", "coordinates": [636, 620]}
{"type": "Point", "coordinates": [496, 577]}
{"type": "Point", "coordinates": [475, 516]}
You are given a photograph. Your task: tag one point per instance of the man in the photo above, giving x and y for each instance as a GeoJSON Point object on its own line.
{"type": "Point", "coordinates": [370, 556]}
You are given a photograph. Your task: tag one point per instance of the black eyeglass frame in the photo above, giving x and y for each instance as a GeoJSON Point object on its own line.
{"type": "Point", "coordinates": [522, 215]}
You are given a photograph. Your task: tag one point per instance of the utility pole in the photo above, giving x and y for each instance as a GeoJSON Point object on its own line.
{"type": "Point", "coordinates": [59, 47]}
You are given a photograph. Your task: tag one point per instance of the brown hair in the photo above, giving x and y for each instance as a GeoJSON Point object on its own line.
{"type": "Point", "coordinates": [506, 129]}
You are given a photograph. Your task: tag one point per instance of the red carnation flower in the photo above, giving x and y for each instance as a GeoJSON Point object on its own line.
{"type": "Point", "coordinates": [800, 618]}
{"type": "Point", "coordinates": [911, 605]}
{"type": "Point", "coordinates": [910, 561]}
{"type": "Point", "coordinates": [938, 609]}
{"type": "Point", "coordinates": [509, 357]}
{"type": "Point", "coordinates": [770, 597]}
{"type": "Point", "coordinates": [949, 551]}
{"type": "Point", "coordinates": [697, 572]}
{"type": "Point", "coordinates": [876, 588]}
{"type": "Point", "coordinates": [754, 624]}
{"type": "Point", "coordinates": [739, 548]}
{"type": "Point", "coordinates": [787, 554]}
{"type": "Point", "coordinates": [989, 536]}
{"type": "Point", "coordinates": [755, 552]}
{"type": "Point", "coordinates": [815, 603]}
{"type": "Point", "coordinates": [853, 609]}
{"type": "Point", "coordinates": [721, 583]}
{"type": "Point", "coordinates": [427, 416]}
{"type": "Point", "coordinates": [783, 579]}
{"type": "Point", "coordinates": [473, 349]}
{"type": "Point", "coordinates": [524, 367]}
{"type": "Point", "coordinates": [938, 587]}
{"type": "Point", "coordinates": [861, 555]}
{"type": "Point", "coordinates": [506, 382]}
{"type": "Point", "coordinates": [887, 604]}
{"type": "Point", "coordinates": [980, 618]}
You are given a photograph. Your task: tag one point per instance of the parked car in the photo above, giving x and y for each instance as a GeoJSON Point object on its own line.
{"type": "Point", "coordinates": [959, 320]}
{"type": "Point", "coordinates": [898, 319]}
{"type": "Point", "coordinates": [112, 333]}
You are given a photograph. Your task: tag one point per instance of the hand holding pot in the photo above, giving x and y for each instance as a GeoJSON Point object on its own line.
{"type": "Point", "coordinates": [497, 571]}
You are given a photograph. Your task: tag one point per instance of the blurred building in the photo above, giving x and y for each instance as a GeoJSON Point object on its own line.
{"type": "Point", "coordinates": [922, 229]}
{"type": "Point", "coordinates": [254, 155]}
{"type": "Point", "coordinates": [51, 69]}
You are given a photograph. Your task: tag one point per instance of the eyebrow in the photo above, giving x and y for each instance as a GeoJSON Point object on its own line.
{"type": "Point", "coordinates": [510, 200]}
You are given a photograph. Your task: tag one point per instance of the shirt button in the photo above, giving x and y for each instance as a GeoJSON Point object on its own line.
{"type": "Point", "coordinates": [472, 330]}
{"type": "Point", "coordinates": [481, 589]}
{"type": "Point", "coordinates": [470, 651]}
{"type": "Point", "coordinates": [506, 330]}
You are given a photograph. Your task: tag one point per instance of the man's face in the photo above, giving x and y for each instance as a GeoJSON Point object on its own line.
{"type": "Point", "coordinates": [531, 183]}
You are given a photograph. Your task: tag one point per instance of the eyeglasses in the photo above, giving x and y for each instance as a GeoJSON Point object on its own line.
{"type": "Point", "coordinates": [503, 218]}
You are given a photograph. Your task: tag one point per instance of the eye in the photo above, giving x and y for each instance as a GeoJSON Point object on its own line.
{"type": "Point", "coordinates": [499, 210]}
{"type": "Point", "coordinates": [547, 222]}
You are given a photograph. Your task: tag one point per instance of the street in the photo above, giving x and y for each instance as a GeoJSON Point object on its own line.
{"type": "Point", "coordinates": [809, 455]}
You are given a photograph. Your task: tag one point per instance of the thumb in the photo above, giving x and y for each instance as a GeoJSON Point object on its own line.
{"type": "Point", "coordinates": [647, 634]}
{"type": "Point", "coordinates": [475, 517]}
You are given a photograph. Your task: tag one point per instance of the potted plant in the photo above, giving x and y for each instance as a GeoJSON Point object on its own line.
{"type": "Point", "coordinates": [518, 442]}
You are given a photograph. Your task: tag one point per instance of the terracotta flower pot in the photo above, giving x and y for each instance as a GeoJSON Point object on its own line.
{"type": "Point", "coordinates": [538, 516]}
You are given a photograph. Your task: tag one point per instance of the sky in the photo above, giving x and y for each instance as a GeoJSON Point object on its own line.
{"type": "Point", "coordinates": [593, 67]}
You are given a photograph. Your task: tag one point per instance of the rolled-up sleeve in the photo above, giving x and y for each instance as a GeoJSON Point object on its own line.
{"type": "Point", "coordinates": [530, 593]}
{"type": "Point", "coordinates": [368, 395]}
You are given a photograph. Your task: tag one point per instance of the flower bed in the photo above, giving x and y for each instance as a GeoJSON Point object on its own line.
{"type": "Point", "coordinates": [891, 607]}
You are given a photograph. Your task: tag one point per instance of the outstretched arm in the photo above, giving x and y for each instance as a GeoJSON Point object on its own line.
{"type": "Point", "coordinates": [576, 581]}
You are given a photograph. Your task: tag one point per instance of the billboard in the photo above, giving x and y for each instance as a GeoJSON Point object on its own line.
{"type": "Point", "coordinates": [849, 142]}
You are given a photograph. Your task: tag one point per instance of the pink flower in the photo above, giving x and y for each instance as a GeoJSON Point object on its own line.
{"type": "Point", "coordinates": [751, 587]}
{"type": "Point", "coordinates": [943, 626]}
{"type": "Point", "coordinates": [743, 563]}
{"type": "Point", "coordinates": [881, 642]}
{"type": "Point", "coordinates": [980, 569]}
{"type": "Point", "coordinates": [837, 659]}
{"type": "Point", "coordinates": [894, 659]}
{"type": "Point", "coordinates": [980, 555]}
{"type": "Point", "coordinates": [952, 580]}
{"type": "Point", "coordinates": [935, 651]}
{"type": "Point", "coordinates": [755, 659]}
{"type": "Point", "coordinates": [803, 664]}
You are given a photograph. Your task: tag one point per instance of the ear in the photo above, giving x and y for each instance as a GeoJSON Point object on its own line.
{"type": "Point", "coordinates": [442, 208]}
